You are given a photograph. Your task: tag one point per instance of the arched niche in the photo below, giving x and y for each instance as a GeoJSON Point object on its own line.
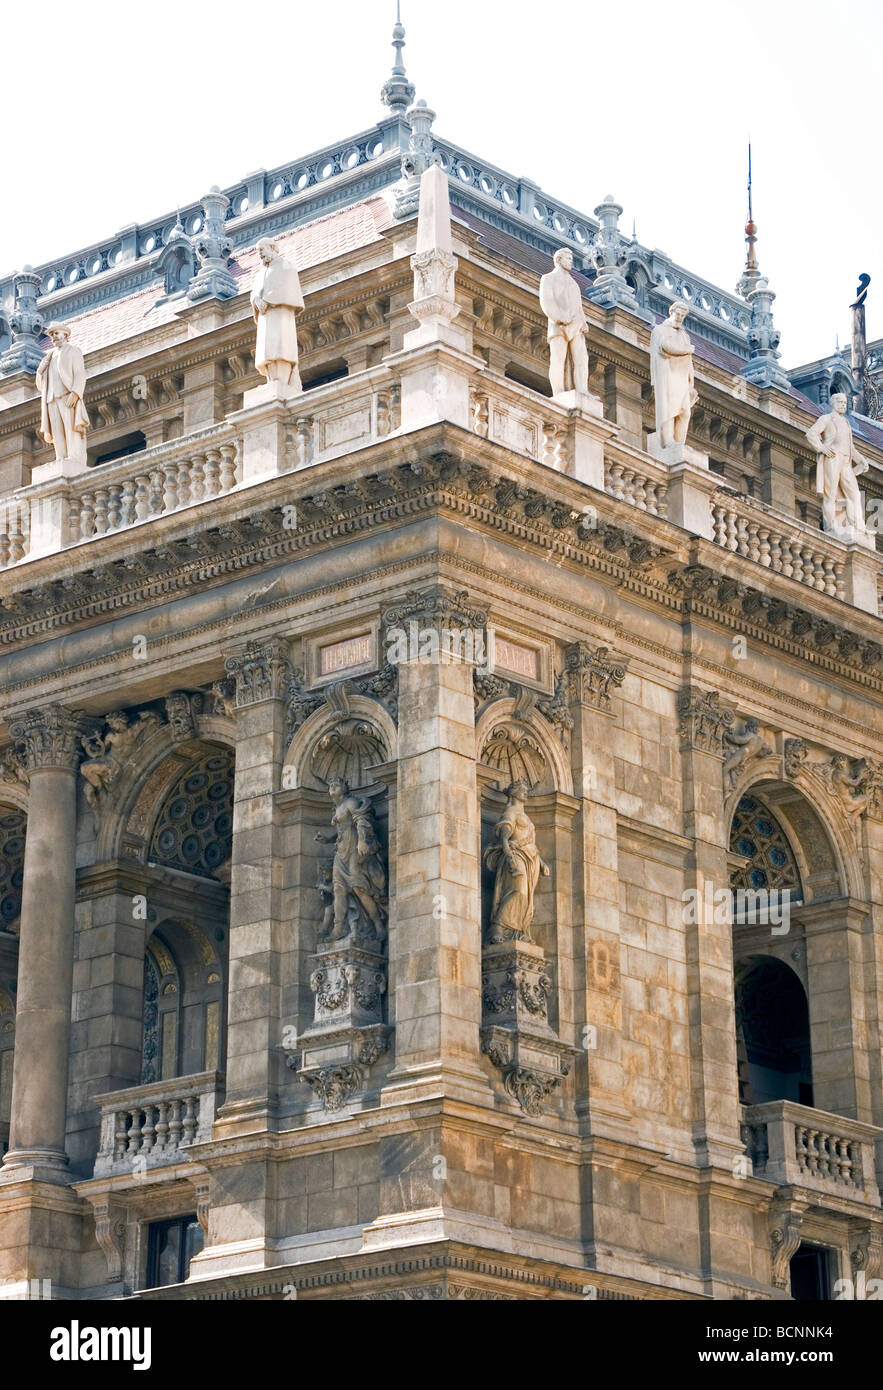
{"type": "Point", "coordinates": [813, 821]}
{"type": "Point", "coordinates": [516, 741]}
{"type": "Point", "coordinates": [513, 743]}
{"type": "Point", "coordinates": [817, 935]}
{"type": "Point", "coordinates": [347, 736]}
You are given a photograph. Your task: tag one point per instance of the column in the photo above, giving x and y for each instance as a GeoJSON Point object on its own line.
{"type": "Point", "coordinates": [51, 740]}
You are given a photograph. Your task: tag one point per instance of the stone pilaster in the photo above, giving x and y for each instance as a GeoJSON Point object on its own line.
{"type": "Point", "coordinates": [50, 741]}
{"type": "Point", "coordinates": [261, 673]}
{"type": "Point", "coordinates": [435, 947]}
{"type": "Point", "coordinates": [592, 676]}
{"type": "Point", "coordinates": [708, 930]}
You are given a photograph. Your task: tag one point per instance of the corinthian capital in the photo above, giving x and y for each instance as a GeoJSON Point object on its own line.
{"type": "Point", "coordinates": [50, 737]}
{"type": "Point", "coordinates": [261, 672]}
{"type": "Point", "coordinates": [589, 674]}
{"type": "Point", "coordinates": [704, 720]}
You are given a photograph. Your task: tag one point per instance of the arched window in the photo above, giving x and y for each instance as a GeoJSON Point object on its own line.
{"type": "Point", "coordinates": [770, 865]}
{"type": "Point", "coordinates": [194, 830]}
{"type": "Point", "coordinates": [184, 972]}
{"type": "Point", "coordinates": [772, 1032]}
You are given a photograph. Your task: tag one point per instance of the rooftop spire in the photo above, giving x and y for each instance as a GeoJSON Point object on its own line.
{"type": "Point", "coordinates": [751, 273]}
{"type": "Point", "coordinates": [398, 93]}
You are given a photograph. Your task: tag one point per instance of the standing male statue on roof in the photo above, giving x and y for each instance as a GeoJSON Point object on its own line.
{"type": "Point", "coordinates": [838, 464]}
{"type": "Point", "coordinates": [671, 372]}
{"type": "Point", "coordinates": [275, 299]}
{"type": "Point", "coordinates": [61, 381]}
{"type": "Point", "coordinates": [562, 302]}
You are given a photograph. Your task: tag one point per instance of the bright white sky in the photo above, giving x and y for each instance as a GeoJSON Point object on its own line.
{"type": "Point", "coordinates": [127, 109]}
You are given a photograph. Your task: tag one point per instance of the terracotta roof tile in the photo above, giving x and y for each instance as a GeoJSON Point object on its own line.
{"type": "Point", "coordinates": [319, 241]}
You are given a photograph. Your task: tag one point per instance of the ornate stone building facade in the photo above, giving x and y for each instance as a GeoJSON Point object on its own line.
{"type": "Point", "coordinates": [441, 835]}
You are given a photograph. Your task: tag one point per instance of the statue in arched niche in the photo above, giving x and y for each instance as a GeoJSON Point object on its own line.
{"type": "Point", "coordinates": [358, 877]}
{"type": "Point", "coordinates": [516, 862]}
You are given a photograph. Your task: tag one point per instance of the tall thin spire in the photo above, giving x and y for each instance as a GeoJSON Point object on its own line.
{"type": "Point", "coordinates": [751, 273]}
{"type": "Point", "coordinates": [398, 93]}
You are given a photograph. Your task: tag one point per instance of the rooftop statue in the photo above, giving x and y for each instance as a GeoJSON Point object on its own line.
{"type": "Point", "coordinates": [671, 372]}
{"type": "Point", "coordinates": [838, 464]}
{"type": "Point", "coordinates": [61, 381]}
{"type": "Point", "coordinates": [562, 303]}
{"type": "Point", "coordinates": [275, 299]}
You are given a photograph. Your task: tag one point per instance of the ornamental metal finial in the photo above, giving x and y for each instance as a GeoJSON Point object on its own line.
{"type": "Point", "coordinates": [751, 273]}
{"type": "Point", "coordinates": [398, 93]}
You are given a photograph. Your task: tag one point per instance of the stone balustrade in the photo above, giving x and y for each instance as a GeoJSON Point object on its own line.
{"type": "Point", "coordinates": [141, 494]}
{"type": "Point", "coordinates": [643, 488]}
{"type": "Point", "coordinates": [786, 545]}
{"type": "Point", "coordinates": [360, 410]}
{"type": "Point", "coordinates": [795, 1144]}
{"type": "Point", "coordinates": [118, 495]}
{"type": "Point", "coordinates": [148, 1126]}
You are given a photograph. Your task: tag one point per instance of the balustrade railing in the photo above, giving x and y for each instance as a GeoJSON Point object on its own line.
{"type": "Point", "coordinates": [640, 487]}
{"type": "Point", "coordinates": [147, 1126]}
{"type": "Point", "coordinates": [785, 545]}
{"type": "Point", "coordinates": [795, 1144]}
{"type": "Point", "coordinates": [102, 503]}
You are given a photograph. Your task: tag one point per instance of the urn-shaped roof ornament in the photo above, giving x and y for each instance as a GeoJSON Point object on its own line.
{"type": "Point", "coordinates": [24, 353]}
{"type": "Point", "coordinates": [419, 155]}
{"type": "Point", "coordinates": [609, 254]}
{"type": "Point", "coordinates": [213, 247]}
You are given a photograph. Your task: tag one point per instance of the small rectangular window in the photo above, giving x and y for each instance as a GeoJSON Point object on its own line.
{"type": "Point", "coordinates": [810, 1276]}
{"type": "Point", "coordinates": [171, 1245]}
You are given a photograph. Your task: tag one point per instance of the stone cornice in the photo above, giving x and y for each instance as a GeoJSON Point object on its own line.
{"type": "Point", "coordinates": [537, 505]}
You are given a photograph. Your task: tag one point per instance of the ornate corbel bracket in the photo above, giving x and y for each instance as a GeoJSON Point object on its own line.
{"type": "Point", "coordinates": [110, 1232]}
{"type": "Point", "coordinates": [785, 1226]}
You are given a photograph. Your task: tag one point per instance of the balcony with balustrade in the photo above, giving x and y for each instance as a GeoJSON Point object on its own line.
{"type": "Point", "coordinates": [797, 1146]}
{"type": "Point", "coordinates": [152, 1126]}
